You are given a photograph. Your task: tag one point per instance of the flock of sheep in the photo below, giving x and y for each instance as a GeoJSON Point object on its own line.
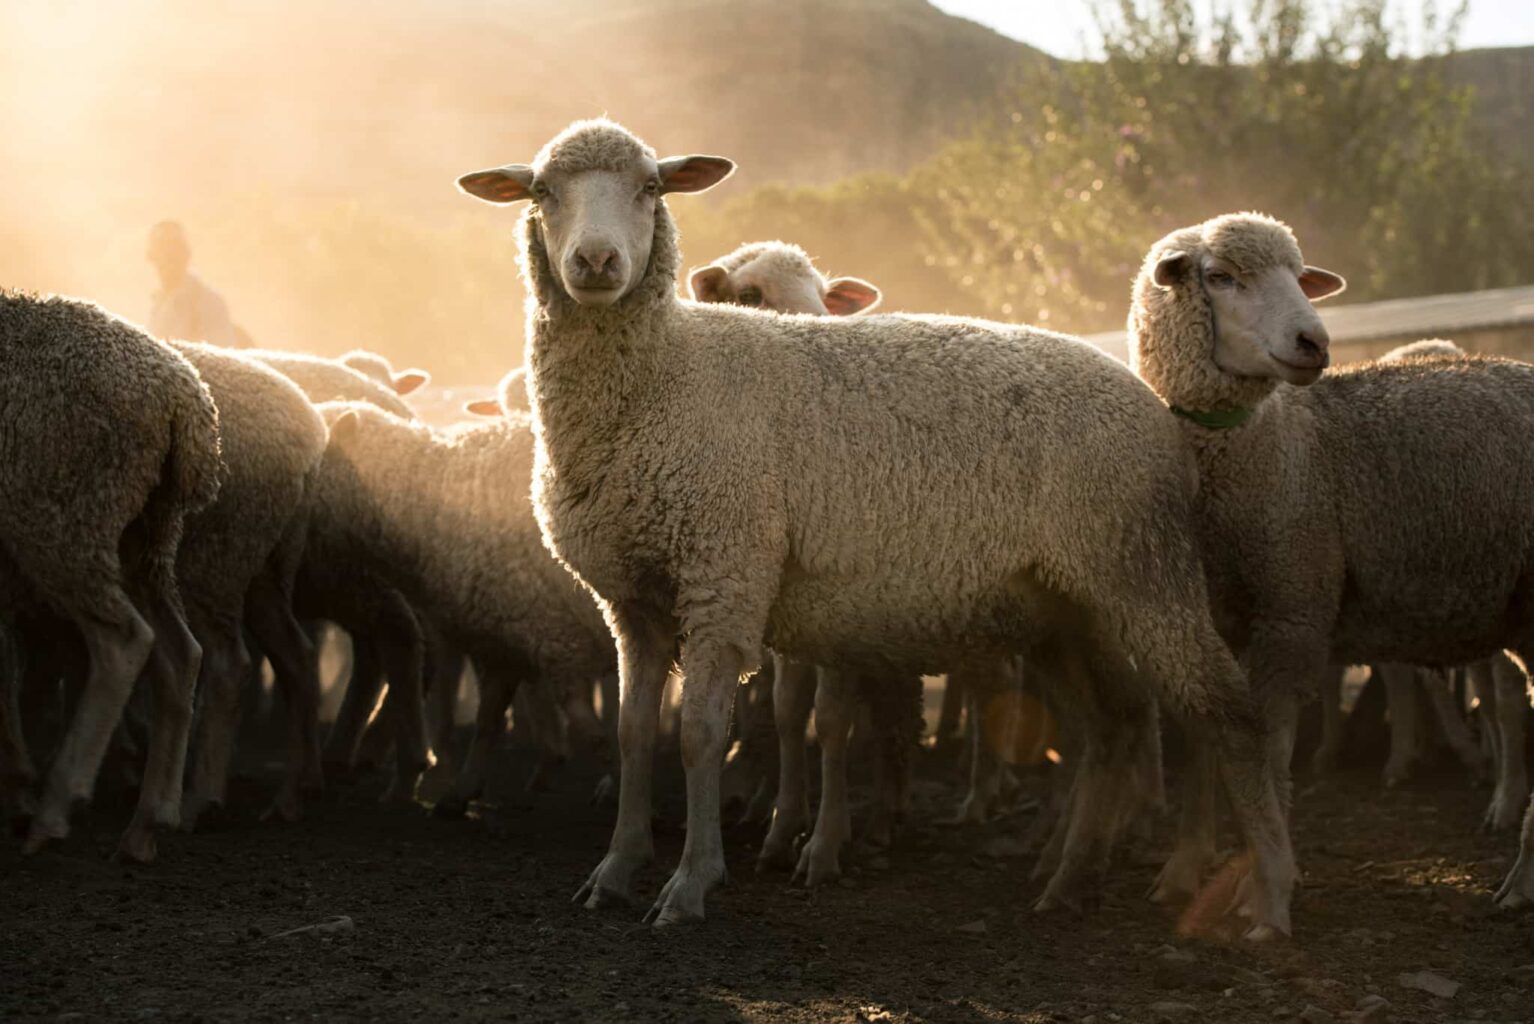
{"type": "Point", "coordinates": [1210, 532]}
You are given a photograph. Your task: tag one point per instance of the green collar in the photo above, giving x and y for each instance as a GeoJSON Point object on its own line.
{"type": "Point", "coordinates": [1218, 419]}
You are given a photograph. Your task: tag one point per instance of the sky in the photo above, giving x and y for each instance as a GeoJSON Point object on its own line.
{"type": "Point", "coordinates": [1059, 26]}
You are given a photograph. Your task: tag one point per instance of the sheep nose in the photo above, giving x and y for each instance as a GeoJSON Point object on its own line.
{"type": "Point", "coordinates": [1313, 343]}
{"type": "Point", "coordinates": [596, 259]}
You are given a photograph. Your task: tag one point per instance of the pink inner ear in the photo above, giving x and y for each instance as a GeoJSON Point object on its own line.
{"type": "Point", "coordinates": [707, 284]}
{"type": "Point", "coordinates": [494, 186]}
{"type": "Point", "coordinates": [408, 381]}
{"type": "Point", "coordinates": [695, 173]}
{"type": "Point", "coordinates": [1318, 284]}
{"type": "Point", "coordinates": [848, 295]}
{"type": "Point", "coordinates": [483, 407]}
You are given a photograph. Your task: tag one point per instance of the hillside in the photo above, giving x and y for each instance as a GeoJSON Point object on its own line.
{"type": "Point", "coordinates": [311, 147]}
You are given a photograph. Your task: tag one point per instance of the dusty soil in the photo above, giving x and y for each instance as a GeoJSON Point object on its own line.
{"type": "Point", "coordinates": [472, 919]}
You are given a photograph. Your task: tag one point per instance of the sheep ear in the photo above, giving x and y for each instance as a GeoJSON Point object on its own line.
{"type": "Point", "coordinates": [709, 284]}
{"type": "Point", "coordinates": [693, 173]}
{"type": "Point", "coordinates": [483, 407]}
{"type": "Point", "coordinates": [848, 295]}
{"type": "Point", "coordinates": [1318, 284]}
{"type": "Point", "coordinates": [1170, 268]}
{"type": "Point", "coordinates": [510, 184]}
{"type": "Point", "coordinates": [407, 381]}
{"type": "Point", "coordinates": [345, 427]}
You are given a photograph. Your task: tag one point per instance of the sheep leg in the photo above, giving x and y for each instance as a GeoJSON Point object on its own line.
{"type": "Point", "coordinates": [548, 732]}
{"type": "Point", "coordinates": [497, 687]}
{"type": "Point", "coordinates": [950, 717]}
{"type": "Point", "coordinates": [1054, 827]}
{"type": "Point", "coordinates": [401, 653]}
{"type": "Point", "coordinates": [363, 689]}
{"type": "Point", "coordinates": [445, 672]}
{"type": "Point", "coordinates": [1330, 748]}
{"type": "Point", "coordinates": [759, 747]}
{"type": "Point", "coordinates": [835, 708]}
{"type": "Point", "coordinates": [793, 693]}
{"type": "Point", "coordinates": [607, 786]}
{"type": "Point", "coordinates": [1282, 714]}
{"type": "Point", "coordinates": [1102, 793]}
{"type": "Point", "coordinates": [1401, 700]}
{"type": "Point", "coordinates": [711, 672]}
{"type": "Point", "coordinates": [979, 688]}
{"type": "Point", "coordinates": [225, 665]}
{"type": "Point", "coordinates": [1149, 794]}
{"type": "Point", "coordinates": [1517, 890]}
{"type": "Point", "coordinates": [743, 767]}
{"type": "Point", "coordinates": [1512, 702]}
{"type": "Point", "coordinates": [1483, 690]}
{"type": "Point", "coordinates": [17, 775]}
{"type": "Point", "coordinates": [269, 615]}
{"type": "Point", "coordinates": [897, 719]}
{"type": "Point", "coordinates": [1222, 712]}
{"type": "Point", "coordinates": [1451, 720]}
{"type": "Point", "coordinates": [646, 644]}
{"type": "Point", "coordinates": [118, 641]}
{"type": "Point", "coordinates": [172, 672]}
{"type": "Point", "coordinates": [1183, 873]}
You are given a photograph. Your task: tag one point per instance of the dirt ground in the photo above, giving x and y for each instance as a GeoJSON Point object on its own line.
{"type": "Point", "coordinates": [472, 919]}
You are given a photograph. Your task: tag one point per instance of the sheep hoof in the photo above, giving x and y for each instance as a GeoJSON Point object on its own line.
{"type": "Point", "coordinates": [606, 791]}
{"type": "Point", "coordinates": [1517, 892]}
{"type": "Point", "coordinates": [1052, 902]}
{"type": "Point", "coordinates": [43, 831]}
{"type": "Point", "coordinates": [819, 862]}
{"type": "Point", "coordinates": [681, 899]}
{"type": "Point", "coordinates": [1501, 814]}
{"type": "Point", "coordinates": [610, 884]}
{"type": "Point", "coordinates": [1262, 933]}
{"type": "Point", "coordinates": [287, 807]}
{"type": "Point", "coordinates": [138, 845]}
{"type": "Point", "coordinates": [451, 807]}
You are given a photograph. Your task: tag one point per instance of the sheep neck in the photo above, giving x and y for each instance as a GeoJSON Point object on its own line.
{"type": "Point", "coordinates": [584, 361]}
{"type": "Point", "coordinates": [1171, 345]}
{"type": "Point", "coordinates": [1215, 419]}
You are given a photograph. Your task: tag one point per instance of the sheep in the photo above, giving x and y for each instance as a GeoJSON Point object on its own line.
{"type": "Point", "coordinates": [389, 636]}
{"type": "Point", "coordinates": [330, 380]}
{"type": "Point", "coordinates": [379, 369]}
{"type": "Point", "coordinates": [510, 401]}
{"type": "Point", "coordinates": [510, 397]}
{"type": "Point", "coordinates": [779, 277]}
{"type": "Point", "coordinates": [446, 518]}
{"type": "Point", "coordinates": [238, 564]}
{"type": "Point", "coordinates": [1403, 682]}
{"type": "Point", "coordinates": [855, 489]}
{"type": "Point", "coordinates": [111, 442]}
{"type": "Point", "coordinates": [1313, 558]}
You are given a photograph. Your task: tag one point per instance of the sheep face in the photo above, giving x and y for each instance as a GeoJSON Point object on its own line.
{"type": "Point", "coordinates": [596, 188]}
{"type": "Point", "coordinates": [780, 278]}
{"type": "Point", "coordinates": [1263, 322]}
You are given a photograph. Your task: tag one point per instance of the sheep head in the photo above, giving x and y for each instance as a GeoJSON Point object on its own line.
{"type": "Point", "coordinates": [1223, 311]}
{"type": "Point", "coordinates": [596, 192]}
{"type": "Point", "coordinates": [779, 277]}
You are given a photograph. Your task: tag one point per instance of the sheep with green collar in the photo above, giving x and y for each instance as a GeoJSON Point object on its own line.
{"type": "Point", "coordinates": [1313, 556]}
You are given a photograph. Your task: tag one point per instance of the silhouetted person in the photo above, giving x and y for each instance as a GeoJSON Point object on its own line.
{"type": "Point", "coordinates": [185, 308]}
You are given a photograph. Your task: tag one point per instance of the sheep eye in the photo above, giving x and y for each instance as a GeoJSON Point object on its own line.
{"type": "Point", "coordinates": [652, 187]}
{"type": "Point", "coordinates": [1220, 279]}
{"type": "Point", "coordinates": [749, 296]}
{"type": "Point", "coordinates": [540, 190]}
